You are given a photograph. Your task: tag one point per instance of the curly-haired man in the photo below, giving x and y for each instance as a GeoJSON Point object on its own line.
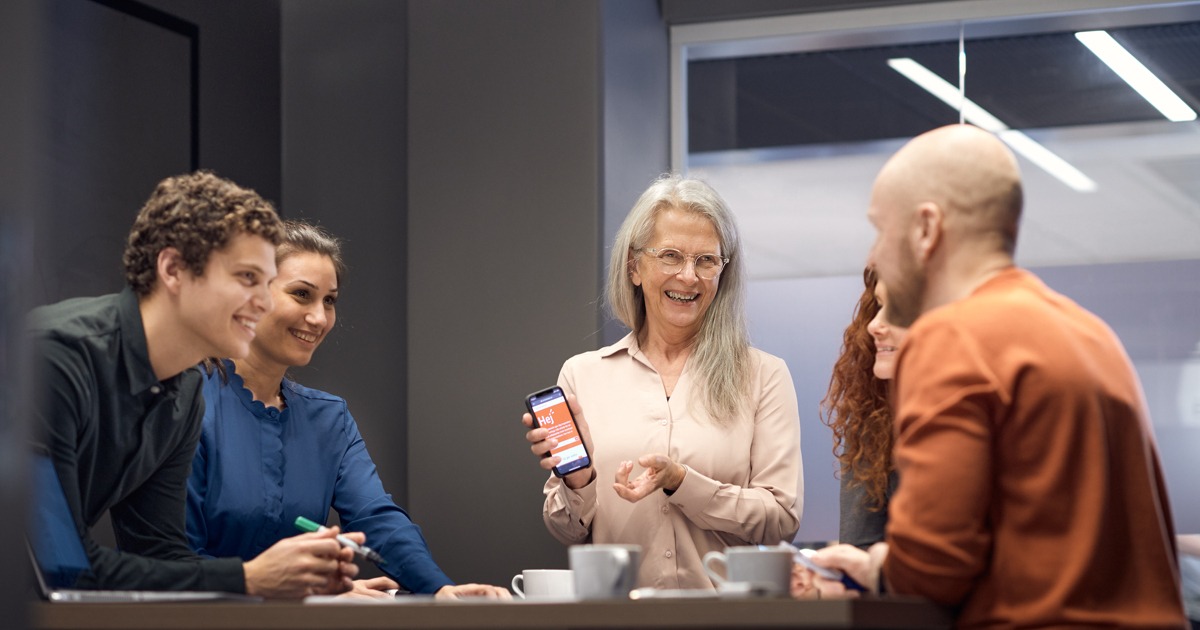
{"type": "Point", "coordinates": [120, 407]}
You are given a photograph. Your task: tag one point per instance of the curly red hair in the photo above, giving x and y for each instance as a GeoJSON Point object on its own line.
{"type": "Point", "coordinates": [856, 405]}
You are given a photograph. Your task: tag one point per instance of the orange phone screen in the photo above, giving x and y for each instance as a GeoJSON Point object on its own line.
{"type": "Point", "coordinates": [553, 414]}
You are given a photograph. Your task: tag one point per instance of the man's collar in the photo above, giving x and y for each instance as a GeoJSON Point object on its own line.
{"type": "Point", "coordinates": [134, 348]}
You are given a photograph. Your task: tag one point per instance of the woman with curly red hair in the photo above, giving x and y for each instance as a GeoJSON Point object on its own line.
{"type": "Point", "coordinates": [856, 408]}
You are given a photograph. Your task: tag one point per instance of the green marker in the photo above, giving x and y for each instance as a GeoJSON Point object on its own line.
{"type": "Point", "coordinates": [306, 525]}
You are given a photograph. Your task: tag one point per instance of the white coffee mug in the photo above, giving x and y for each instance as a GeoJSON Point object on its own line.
{"type": "Point", "coordinates": [605, 571]}
{"type": "Point", "coordinates": [759, 568]}
{"type": "Point", "coordinates": [544, 584]}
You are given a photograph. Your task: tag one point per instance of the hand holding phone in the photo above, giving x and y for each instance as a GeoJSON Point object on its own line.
{"type": "Point", "coordinates": [833, 575]}
{"type": "Point", "coordinates": [550, 411]}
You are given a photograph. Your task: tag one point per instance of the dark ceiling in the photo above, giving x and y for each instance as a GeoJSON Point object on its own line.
{"type": "Point", "coordinates": [840, 96]}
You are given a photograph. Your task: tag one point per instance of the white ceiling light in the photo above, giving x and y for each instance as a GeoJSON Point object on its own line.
{"type": "Point", "coordinates": [980, 117]}
{"type": "Point", "coordinates": [1136, 75]}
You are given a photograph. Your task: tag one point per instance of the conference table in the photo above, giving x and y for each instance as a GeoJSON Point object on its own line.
{"type": "Point", "coordinates": [888, 612]}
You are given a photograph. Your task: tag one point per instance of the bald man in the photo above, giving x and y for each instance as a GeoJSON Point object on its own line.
{"type": "Point", "coordinates": [1030, 489]}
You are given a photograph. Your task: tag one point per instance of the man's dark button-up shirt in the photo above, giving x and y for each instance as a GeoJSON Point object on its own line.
{"type": "Point", "coordinates": [123, 442]}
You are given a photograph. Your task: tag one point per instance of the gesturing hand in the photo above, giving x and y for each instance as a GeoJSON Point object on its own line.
{"type": "Point", "coordinates": [660, 472]}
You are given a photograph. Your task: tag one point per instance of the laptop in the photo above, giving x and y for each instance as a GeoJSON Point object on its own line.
{"type": "Point", "coordinates": [59, 559]}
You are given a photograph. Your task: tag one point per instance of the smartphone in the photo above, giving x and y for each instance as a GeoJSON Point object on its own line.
{"type": "Point", "coordinates": [550, 411]}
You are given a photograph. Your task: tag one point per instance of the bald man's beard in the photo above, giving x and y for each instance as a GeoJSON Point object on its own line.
{"type": "Point", "coordinates": [907, 291]}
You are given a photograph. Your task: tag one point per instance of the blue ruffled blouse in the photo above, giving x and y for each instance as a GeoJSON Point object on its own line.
{"type": "Point", "coordinates": [257, 468]}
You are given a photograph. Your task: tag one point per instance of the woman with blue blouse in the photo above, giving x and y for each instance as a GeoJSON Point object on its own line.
{"type": "Point", "coordinates": [272, 450]}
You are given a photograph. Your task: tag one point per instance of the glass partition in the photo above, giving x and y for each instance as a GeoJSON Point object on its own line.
{"type": "Point", "coordinates": [791, 118]}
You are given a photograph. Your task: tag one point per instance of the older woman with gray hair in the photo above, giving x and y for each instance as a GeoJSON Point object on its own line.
{"type": "Point", "coordinates": [709, 423]}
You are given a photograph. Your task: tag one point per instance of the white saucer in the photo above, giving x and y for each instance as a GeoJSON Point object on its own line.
{"type": "Point", "coordinates": [738, 590]}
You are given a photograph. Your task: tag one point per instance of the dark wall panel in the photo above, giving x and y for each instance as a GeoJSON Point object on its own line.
{"type": "Point", "coordinates": [23, 198]}
{"type": "Point", "coordinates": [239, 100]}
{"type": "Point", "coordinates": [503, 231]}
{"type": "Point", "coordinates": [120, 115]}
{"type": "Point", "coordinates": [126, 110]}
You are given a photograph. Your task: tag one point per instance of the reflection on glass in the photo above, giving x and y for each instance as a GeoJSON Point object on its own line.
{"type": "Point", "coordinates": [793, 141]}
{"type": "Point", "coordinates": [800, 136]}
{"type": "Point", "coordinates": [1137, 75]}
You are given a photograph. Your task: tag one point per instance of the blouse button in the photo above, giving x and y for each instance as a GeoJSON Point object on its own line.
{"type": "Point", "coordinates": [665, 509]}
{"type": "Point", "coordinates": [154, 389]}
{"type": "Point", "coordinates": [663, 422]}
{"type": "Point", "coordinates": [668, 554]}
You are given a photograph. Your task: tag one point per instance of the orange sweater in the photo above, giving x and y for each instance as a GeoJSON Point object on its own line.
{"type": "Point", "coordinates": [1030, 488]}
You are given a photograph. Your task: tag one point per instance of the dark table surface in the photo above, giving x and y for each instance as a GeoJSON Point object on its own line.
{"type": "Point", "coordinates": [651, 613]}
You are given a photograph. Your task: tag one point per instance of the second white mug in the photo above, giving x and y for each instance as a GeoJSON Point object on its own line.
{"type": "Point", "coordinates": [544, 584]}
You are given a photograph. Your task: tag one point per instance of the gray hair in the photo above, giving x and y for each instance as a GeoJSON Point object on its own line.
{"type": "Point", "coordinates": [721, 354]}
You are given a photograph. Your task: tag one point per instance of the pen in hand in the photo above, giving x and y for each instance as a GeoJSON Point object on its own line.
{"type": "Point", "coordinates": [306, 525]}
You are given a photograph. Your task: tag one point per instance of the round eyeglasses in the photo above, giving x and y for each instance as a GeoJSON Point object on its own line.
{"type": "Point", "coordinates": [673, 261]}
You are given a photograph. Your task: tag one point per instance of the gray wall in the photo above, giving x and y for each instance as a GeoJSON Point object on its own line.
{"type": "Point", "coordinates": [637, 117]}
{"type": "Point", "coordinates": [504, 230]}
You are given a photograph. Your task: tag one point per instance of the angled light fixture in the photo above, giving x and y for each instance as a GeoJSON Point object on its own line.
{"type": "Point", "coordinates": [1137, 75]}
{"type": "Point", "coordinates": [971, 112]}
